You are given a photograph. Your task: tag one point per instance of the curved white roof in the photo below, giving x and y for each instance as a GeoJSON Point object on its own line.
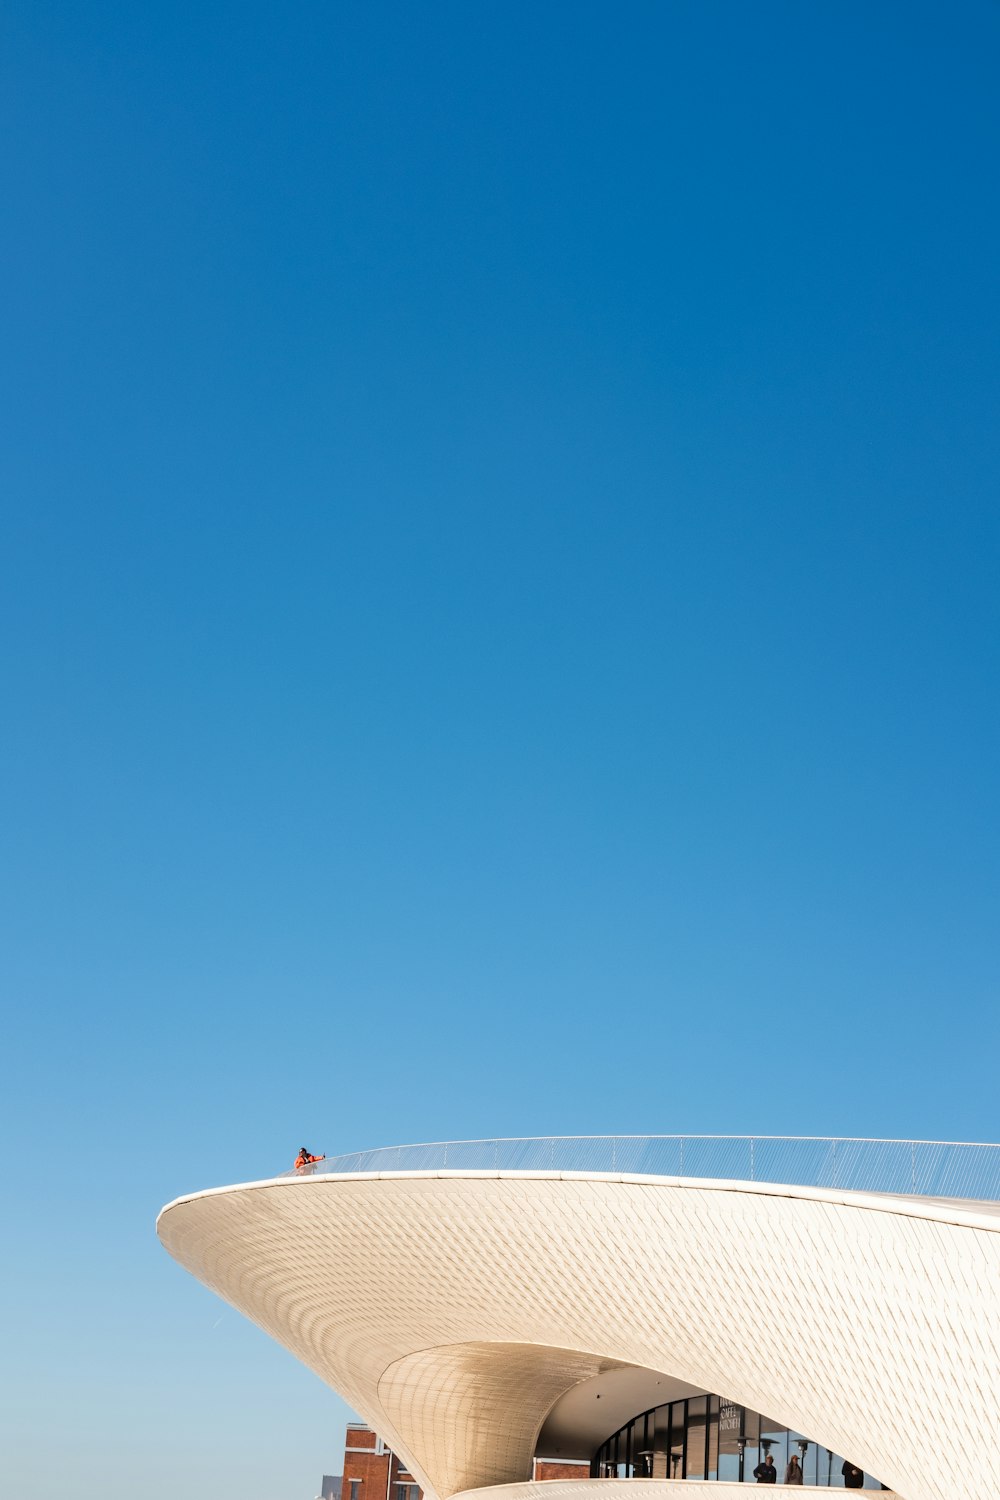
{"type": "Point", "coordinates": [455, 1310]}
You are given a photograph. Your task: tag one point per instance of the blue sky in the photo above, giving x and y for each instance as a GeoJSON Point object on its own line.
{"type": "Point", "coordinates": [500, 628]}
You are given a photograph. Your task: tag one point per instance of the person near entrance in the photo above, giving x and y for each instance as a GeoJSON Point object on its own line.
{"type": "Point", "coordinates": [793, 1473]}
{"type": "Point", "coordinates": [854, 1479]}
{"type": "Point", "coordinates": [765, 1472]}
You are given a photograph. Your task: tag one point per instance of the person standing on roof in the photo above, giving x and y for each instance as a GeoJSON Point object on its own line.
{"type": "Point", "coordinates": [306, 1159]}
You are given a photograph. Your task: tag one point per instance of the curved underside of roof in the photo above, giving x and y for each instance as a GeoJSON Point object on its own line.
{"type": "Point", "coordinates": [453, 1310]}
{"type": "Point", "coordinates": [478, 1407]}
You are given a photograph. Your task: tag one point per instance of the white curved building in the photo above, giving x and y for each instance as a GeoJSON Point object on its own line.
{"type": "Point", "coordinates": [670, 1330]}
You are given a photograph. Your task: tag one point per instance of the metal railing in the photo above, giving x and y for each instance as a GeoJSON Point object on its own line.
{"type": "Point", "coordinates": [939, 1169]}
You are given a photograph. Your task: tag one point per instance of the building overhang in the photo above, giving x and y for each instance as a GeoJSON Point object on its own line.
{"type": "Point", "coordinates": [465, 1314]}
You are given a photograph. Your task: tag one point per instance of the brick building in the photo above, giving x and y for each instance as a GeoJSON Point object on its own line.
{"type": "Point", "coordinates": [373, 1472]}
{"type": "Point", "coordinates": [560, 1468]}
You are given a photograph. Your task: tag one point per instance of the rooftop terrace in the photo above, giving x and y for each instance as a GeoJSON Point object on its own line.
{"type": "Point", "coordinates": [963, 1170]}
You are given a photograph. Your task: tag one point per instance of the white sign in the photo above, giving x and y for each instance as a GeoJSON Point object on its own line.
{"type": "Point", "coordinates": [730, 1419]}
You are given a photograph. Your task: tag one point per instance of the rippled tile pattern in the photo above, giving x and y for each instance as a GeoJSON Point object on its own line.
{"type": "Point", "coordinates": [451, 1310]}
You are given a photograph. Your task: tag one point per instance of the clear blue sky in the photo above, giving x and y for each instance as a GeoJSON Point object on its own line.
{"type": "Point", "coordinates": [500, 627]}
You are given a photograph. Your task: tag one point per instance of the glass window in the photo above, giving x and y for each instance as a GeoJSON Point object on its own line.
{"type": "Point", "coordinates": [355, 1489]}
{"type": "Point", "coordinates": [828, 1465]}
{"type": "Point", "coordinates": [730, 1431]}
{"type": "Point", "coordinates": [712, 1461]}
{"type": "Point", "coordinates": [808, 1456]}
{"type": "Point", "coordinates": [774, 1445]}
{"type": "Point", "coordinates": [751, 1452]}
{"type": "Point", "coordinates": [677, 1440]}
{"type": "Point", "coordinates": [697, 1413]}
{"type": "Point", "coordinates": [642, 1451]}
{"type": "Point", "coordinates": [661, 1442]}
{"type": "Point", "coordinates": [705, 1437]}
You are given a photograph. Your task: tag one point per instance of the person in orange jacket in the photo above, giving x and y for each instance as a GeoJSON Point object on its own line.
{"type": "Point", "coordinates": [306, 1159]}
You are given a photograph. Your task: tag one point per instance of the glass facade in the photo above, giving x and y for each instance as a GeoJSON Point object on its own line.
{"type": "Point", "coordinates": [709, 1437]}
